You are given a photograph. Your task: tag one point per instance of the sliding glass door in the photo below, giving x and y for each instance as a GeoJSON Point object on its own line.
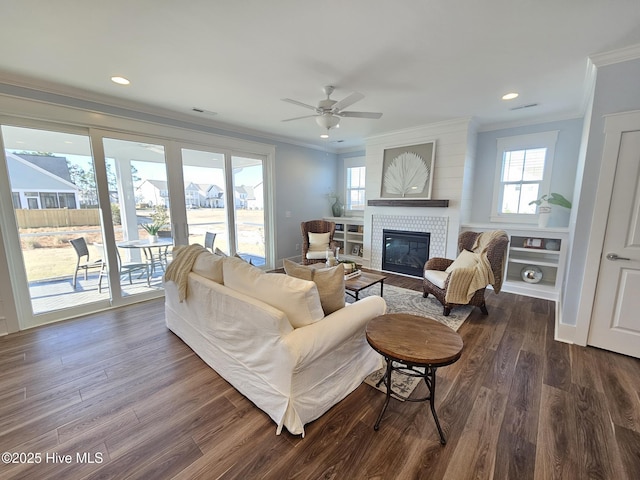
{"type": "Point", "coordinates": [249, 208]}
{"type": "Point", "coordinates": [55, 204]}
{"type": "Point", "coordinates": [90, 215]}
{"type": "Point", "coordinates": [225, 200]}
{"type": "Point", "coordinates": [140, 214]}
{"type": "Point", "coordinates": [205, 200]}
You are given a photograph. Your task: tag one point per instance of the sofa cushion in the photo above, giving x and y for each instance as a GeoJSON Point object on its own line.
{"type": "Point", "coordinates": [297, 298]}
{"type": "Point", "coordinates": [330, 283]}
{"type": "Point", "coordinates": [318, 242]}
{"type": "Point", "coordinates": [209, 266]}
{"type": "Point", "coordinates": [466, 259]}
{"type": "Point", "coordinates": [437, 277]}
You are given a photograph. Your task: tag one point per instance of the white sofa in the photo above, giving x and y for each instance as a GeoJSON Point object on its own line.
{"type": "Point", "coordinates": [266, 334]}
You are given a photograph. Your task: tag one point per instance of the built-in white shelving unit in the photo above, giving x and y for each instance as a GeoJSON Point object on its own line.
{"type": "Point", "coordinates": [545, 248]}
{"type": "Point", "coordinates": [349, 236]}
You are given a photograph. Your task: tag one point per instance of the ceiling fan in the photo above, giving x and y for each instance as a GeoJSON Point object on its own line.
{"type": "Point", "coordinates": [329, 112]}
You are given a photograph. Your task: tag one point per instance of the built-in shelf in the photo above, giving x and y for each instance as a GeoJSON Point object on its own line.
{"type": "Point", "coordinates": [349, 236]}
{"type": "Point", "coordinates": [550, 260]}
{"type": "Point", "coordinates": [406, 202]}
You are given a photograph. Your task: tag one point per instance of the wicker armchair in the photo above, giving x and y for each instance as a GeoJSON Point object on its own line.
{"type": "Point", "coordinates": [496, 254]}
{"type": "Point", "coordinates": [316, 226]}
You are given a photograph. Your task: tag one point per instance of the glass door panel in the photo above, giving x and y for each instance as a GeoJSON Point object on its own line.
{"type": "Point", "coordinates": [249, 213]}
{"type": "Point", "coordinates": [205, 199]}
{"type": "Point", "coordinates": [139, 196]}
{"type": "Point", "coordinates": [54, 193]}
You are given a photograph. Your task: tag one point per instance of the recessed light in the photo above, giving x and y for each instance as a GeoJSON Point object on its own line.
{"type": "Point", "coordinates": [510, 96]}
{"type": "Point", "coordinates": [324, 135]}
{"type": "Point", "coordinates": [120, 80]}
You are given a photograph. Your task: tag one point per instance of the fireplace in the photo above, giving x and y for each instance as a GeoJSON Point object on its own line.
{"type": "Point", "coordinates": [405, 252]}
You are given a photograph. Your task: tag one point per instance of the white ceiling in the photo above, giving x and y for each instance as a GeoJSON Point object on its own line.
{"type": "Point", "coordinates": [417, 61]}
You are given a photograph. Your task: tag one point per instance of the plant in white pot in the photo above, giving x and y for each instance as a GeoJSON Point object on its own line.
{"type": "Point", "coordinates": [152, 229]}
{"type": "Point", "coordinates": [159, 218]}
{"type": "Point", "coordinates": [544, 206]}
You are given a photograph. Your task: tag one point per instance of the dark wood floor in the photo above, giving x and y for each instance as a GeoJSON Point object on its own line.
{"type": "Point", "coordinates": [120, 390]}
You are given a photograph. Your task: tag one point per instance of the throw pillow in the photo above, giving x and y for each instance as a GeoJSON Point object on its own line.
{"type": "Point", "coordinates": [330, 283]}
{"type": "Point", "coordinates": [466, 259]}
{"type": "Point", "coordinates": [318, 242]}
{"type": "Point", "coordinates": [209, 266]}
{"type": "Point", "coordinates": [298, 299]}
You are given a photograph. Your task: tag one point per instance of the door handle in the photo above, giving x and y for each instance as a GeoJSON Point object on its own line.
{"type": "Point", "coordinates": [614, 256]}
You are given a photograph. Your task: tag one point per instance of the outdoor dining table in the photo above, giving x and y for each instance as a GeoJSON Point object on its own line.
{"type": "Point", "coordinates": [147, 247]}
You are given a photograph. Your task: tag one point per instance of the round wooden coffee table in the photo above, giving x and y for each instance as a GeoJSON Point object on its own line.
{"type": "Point", "coordinates": [413, 346]}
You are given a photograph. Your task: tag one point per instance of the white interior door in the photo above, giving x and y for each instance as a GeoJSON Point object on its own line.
{"type": "Point", "coordinates": [615, 320]}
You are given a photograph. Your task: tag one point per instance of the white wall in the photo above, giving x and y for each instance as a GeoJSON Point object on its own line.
{"type": "Point", "coordinates": [617, 90]}
{"type": "Point", "coordinates": [562, 176]}
{"type": "Point", "coordinates": [452, 159]}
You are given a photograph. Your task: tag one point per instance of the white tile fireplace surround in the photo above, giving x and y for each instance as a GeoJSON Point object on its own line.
{"type": "Point", "coordinates": [436, 226]}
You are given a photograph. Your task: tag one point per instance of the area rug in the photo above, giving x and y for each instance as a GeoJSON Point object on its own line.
{"type": "Point", "coordinates": [402, 300]}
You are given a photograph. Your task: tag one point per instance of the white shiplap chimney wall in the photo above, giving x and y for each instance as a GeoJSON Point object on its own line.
{"type": "Point", "coordinates": [455, 145]}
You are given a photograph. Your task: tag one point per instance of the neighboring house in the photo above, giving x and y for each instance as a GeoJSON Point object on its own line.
{"type": "Point", "coordinates": [214, 196]}
{"type": "Point", "coordinates": [243, 194]}
{"type": "Point", "coordinates": [156, 192]}
{"type": "Point", "coordinates": [193, 196]}
{"type": "Point", "coordinates": [40, 181]}
{"type": "Point", "coordinates": [257, 202]}
{"type": "Point", "coordinates": [153, 193]}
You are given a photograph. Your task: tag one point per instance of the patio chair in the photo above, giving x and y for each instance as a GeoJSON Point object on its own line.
{"type": "Point", "coordinates": [209, 238]}
{"type": "Point", "coordinates": [126, 268]}
{"type": "Point", "coordinates": [82, 263]}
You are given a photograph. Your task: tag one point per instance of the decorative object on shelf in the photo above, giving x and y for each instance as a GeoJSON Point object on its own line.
{"type": "Point", "coordinates": [533, 243]}
{"type": "Point", "coordinates": [355, 250]}
{"type": "Point", "coordinates": [552, 244]}
{"type": "Point", "coordinates": [531, 274]}
{"type": "Point", "coordinates": [337, 208]}
{"type": "Point", "coordinates": [544, 206]}
{"type": "Point", "coordinates": [407, 172]}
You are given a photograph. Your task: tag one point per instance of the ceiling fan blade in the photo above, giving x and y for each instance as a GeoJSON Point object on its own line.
{"type": "Point", "coordinates": [300, 104]}
{"type": "Point", "coordinates": [374, 115]}
{"type": "Point", "coordinates": [345, 102]}
{"type": "Point", "coordinates": [298, 118]}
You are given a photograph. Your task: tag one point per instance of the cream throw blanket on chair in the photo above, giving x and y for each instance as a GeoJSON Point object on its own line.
{"type": "Point", "coordinates": [178, 270]}
{"type": "Point", "coordinates": [463, 282]}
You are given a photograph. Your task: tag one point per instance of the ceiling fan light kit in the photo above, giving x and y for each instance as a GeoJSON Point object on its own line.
{"type": "Point", "coordinates": [327, 120]}
{"type": "Point", "coordinates": [329, 111]}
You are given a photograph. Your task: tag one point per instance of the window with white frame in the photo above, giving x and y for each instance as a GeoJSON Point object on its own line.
{"type": "Point", "coordinates": [355, 183]}
{"type": "Point", "coordinates": [523, 175]}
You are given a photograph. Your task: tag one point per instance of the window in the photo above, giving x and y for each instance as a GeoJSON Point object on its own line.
{"type": "Point", "coordinates": [523, 174]}
{"type": "Point", "coordinates": [355, 188]}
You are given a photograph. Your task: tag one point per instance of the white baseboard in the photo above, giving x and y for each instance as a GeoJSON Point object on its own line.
{"type": "Point", "coordinates": [563, 332]}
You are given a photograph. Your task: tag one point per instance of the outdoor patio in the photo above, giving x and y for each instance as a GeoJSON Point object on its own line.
{"type": "Point", "coordinates": [58, 293]}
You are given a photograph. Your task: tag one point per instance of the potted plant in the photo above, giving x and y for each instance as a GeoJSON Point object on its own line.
{"type": "Point", "coordinates": [159, 218]}
{"type": "Point", "coordinates": [152, 229]}
{"type": "Point", "coordinates": [544, 206]}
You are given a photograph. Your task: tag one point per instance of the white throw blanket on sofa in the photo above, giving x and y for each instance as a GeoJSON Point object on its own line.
{"type": "Point", "coordinates": [178, 270]}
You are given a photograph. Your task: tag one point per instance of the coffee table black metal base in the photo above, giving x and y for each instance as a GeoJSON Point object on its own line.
{"type": "Point", "coordinates": [426, 372]}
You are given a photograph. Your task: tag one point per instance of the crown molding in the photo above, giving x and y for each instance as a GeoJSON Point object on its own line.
{"type": "Point", "coordinates": [619, 55]}
{"type": "Point", "coordinates": [419, 128]}
{"type": "Point", "coordinates": [490, 127]}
